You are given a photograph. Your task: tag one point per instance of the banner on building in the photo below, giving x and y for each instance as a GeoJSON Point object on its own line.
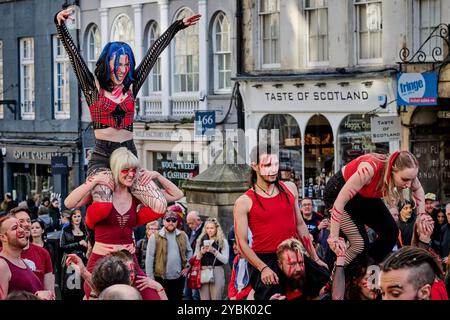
{"type": "Point", "coordinates": [385, 129]}
{"type": "Point", "coordinates": [204, 120]}
{"type": "Point", "coordinates": [418, 89]}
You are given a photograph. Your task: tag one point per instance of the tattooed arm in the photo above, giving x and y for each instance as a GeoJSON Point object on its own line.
{"type": "Point", "coordinates": [169, 189]}
{"type": "Point", "coordinates": [302, 230]}
{"type": "Point", "coordinates": [81, 195]}
{"type": "Point", "coordinates": [242, 207]}
{"type": "Point", "coordinates": [359, 179]}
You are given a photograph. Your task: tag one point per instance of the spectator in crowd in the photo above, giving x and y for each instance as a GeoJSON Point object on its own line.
{"type": "Point", "coordinates": [120, 292]}
{"type": "Point", "coordinates": [46, 202]}
{"type": "Point", "coordinates": [15, 273]}
{"type": "Point", "coordinates": [8, 202]}
{"type": "Point", "coordinates": [73, 240]}
{"type": "Point", "coordinates": [194, 228]}
{"type": "Point", "coordinates": [445, 238]}
{"type": "Point", "coordinates": [314, 221]}
{"type": "Point", "coordinates": [408, 274]}
{"type": "Point", "coordinates": [212, 251]}
{"type": "Point", "coordinates": [141, 245]}
{"type": "Point", "coordinates": [54, 213]}
{"type": "Point", "coordinates": [239, 285]}
{"type": "Point", "coordinates": [179, 210]}
{"type": "Point", "coordinates": [406, 221]}
{"type": "Point", "coordinates": [270, 210]}
{"type": "Point", "coordinates": [107, 272]}
{"type": "Point", "coordinates": [45, 217]}
{"type": "Point", "coordinates": [32, 208]}
{"type": "Point", "coordinates": [37, 258]}
{"type": "Point", "coordinates": [65, 218]}
{"type": "Point", "coordinates": [357, 281]}
{"type": "Point", "coordinates": [168, 253]}
{"type": "Point", "coordinates": [302, 278]}
{"type": "Point", "coordinates": [148, 288]}
{"type": "Point", "coordinates": [22, 295]}
{"type": "Point", "coordinates": [39, 236]}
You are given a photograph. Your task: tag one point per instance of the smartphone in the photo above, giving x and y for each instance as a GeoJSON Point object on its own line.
{"type": "Point", "coordinates": [207, 243]}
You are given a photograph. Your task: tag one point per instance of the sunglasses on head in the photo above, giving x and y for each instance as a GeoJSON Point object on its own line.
{"type": "Point", "coordinates": [128, 170]}
{"type": "Point", "coordinates": [173, 220]}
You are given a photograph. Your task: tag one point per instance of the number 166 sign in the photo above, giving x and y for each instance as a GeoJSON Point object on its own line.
{"type": "Point", "coordinates": [204, 120]}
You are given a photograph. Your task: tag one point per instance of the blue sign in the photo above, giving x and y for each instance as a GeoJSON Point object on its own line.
{"type": "Point", "coordinates": [204, 120]}
{"type": "Point", "coordinates": [418, 89]}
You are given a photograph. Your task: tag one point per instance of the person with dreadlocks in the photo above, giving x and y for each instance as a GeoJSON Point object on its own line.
{"type": "Point", "coordinates": [412, 273]}
{"type": "Point", "coordinates": [111, 95]}
{"type": "Point", "coordinates": [355, 194]}
{"type": "Point", "coordinates": [270, 210]}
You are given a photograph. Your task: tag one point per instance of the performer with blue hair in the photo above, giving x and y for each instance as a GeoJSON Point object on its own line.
{"type": "Point", "coordinates": [110, 95]}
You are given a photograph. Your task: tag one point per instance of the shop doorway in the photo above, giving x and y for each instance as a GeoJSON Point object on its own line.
{"type": "Point", "coordinates": [319, 156]}
{"type": "Point", "coordinates": [289, 144]}
{"type": "Point", "coordinates": [430, 143]}
{"type": "Point", "coordinates": [30, 178]}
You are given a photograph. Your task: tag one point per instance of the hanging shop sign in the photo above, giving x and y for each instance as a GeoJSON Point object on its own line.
{"type": "Point", "coordinates": [418, 89]}
{"type": "Point", "coordinates": [385, 129]}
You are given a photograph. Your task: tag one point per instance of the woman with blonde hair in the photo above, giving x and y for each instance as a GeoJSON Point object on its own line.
{"type": "Point", "coordinates": [115, 231]}
{"type": "Point", "coordinates": [212, 251]}
{"type": "Point", "coordinates": [355, 194]}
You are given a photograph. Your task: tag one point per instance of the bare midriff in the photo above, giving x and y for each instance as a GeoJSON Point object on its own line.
{"type": "Point", "coordinates": [113, 134]}
{"type": "Point", "coordinates": [103, 249]}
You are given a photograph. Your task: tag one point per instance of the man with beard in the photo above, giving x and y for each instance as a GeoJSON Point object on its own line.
{"type": "Point", "coordinates": [302, 278]}
{"type": "Point", "coordinates": [15, 275]}
{"type": "Point", "coordinates": [270, 210]}
{"type": "Point", "coordinates": [37, 258]}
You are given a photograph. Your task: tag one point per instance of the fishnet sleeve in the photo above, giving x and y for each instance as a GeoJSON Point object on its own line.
{"type": "Point", "coordinates": [84, 76]}
{"type": "Point", "coordinates": [152, 54]}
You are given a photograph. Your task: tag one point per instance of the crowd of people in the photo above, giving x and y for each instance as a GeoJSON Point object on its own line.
{"type": "Point", "coordinates": [379, 236]}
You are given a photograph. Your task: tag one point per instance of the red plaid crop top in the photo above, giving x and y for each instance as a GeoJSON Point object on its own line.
{"type": "Point", "coordinates": [106, 113]}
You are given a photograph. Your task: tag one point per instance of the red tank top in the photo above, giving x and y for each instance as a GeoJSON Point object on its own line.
{"type": "Point", "coordinates": [370, 189]}
{"type": "Point", "coordinates": [117, 228]}
{"type": "Point", "coordinates": [22, 279]}
{"type": "Point", "coordinates": [272, 223]}
{"type": "Point", "coordinates": [106, 113]}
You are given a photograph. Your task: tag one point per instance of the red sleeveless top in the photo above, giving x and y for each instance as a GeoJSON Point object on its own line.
{"type": "Point", "coordinates": [370, 189]}
{"type": "Point", "coordinates": [106, 113]}
{"type": "Point", "coordinates": [272, 223]}
{"type": "Point", "coordinates": [22, 279]}
{"type": "Point", "coordinates": [117, 228]}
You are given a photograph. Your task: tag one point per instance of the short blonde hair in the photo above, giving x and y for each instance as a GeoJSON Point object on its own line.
{"type": "Point", "coordinates": [122, 158]}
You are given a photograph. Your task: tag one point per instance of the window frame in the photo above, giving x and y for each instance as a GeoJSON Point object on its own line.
{"type": "Point", "coordinates": [366, 61]}
{"type": "Point", "coordinates": [156, 70]}
{"type": "Point", "coordinates": [417, 28]}
{"type": "Point", "coordinates": [130, 41]}
{"type": "Point", "coordinates": [61, 58]}
{"type": "Point", "coordinates": [93, 31]}
{"type": "Point", "coordinates": [27, 62]}
{"type": "Point", "coordinates": [307, 11]}
{"type": "Point", "coordinates": [221, 54]}
{"type": "Point", "coordinates": [2, 84]}
{"type": "Point", "coordinates": [261, 16]}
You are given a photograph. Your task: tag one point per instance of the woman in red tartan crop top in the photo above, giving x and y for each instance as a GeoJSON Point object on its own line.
{"type": "Point", "coordinates": [359, 194]}
{"type": "Point", "coordinates": [110, 95]}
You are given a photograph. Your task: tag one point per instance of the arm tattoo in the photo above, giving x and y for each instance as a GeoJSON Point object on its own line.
{"type": "Point", "coordinates": [150, 196]}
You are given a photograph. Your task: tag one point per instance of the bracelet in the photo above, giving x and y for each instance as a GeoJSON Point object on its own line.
{"type": "Point", "coordinates": [263, 268]}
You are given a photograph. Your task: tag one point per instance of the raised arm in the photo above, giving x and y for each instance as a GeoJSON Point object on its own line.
{"type": "Point", "coordinates": [81, 195]}
{"type": "Point", "coordinates": [152, 54]}
{"type": "Point", "coordinates": [84, 76]}
{"type": "Point", "coordinates": [359, 179]}
{"type": "Point", "coordinates": [241, 208]}
{"type": "Point", "coordinates": [418, 195]}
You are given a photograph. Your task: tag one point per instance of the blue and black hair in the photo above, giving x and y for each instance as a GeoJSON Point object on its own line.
{"type": "Point", "coordinates": [114, 49]}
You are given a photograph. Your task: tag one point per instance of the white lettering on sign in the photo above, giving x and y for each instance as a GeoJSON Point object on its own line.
{"type": "Point", "coordinates": [34, 155]}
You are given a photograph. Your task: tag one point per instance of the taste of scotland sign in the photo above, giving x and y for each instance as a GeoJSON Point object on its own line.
{"type": "Point", "coordinates": [418, 89]}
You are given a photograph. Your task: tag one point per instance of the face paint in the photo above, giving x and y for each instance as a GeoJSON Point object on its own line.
{"type": "Point", "coordinates": [268, 166]}
{"type": "Point", "coordinates": [336, 214]}
{"type": "Point", "coordinates": [306, 241]}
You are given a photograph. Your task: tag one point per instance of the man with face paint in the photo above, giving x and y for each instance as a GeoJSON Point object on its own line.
{"type": "Point", "coordinates": [15, 275]}
{"type": "Point", "coordinates": [409, 274]}
{"type": "Point", "coordinates": [110, 94]}
{"type": "Point", "coordinates": [300, 280]}
{"type": "Point", "coordinates": [270, 209]}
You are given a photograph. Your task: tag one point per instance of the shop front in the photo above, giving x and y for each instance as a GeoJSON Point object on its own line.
{"type": "Point", "coordinates": [321, 126]}
{"type": "Point", "coordinates": [28, 170]}
{"type": "Point", "coordinates": [172, 150]}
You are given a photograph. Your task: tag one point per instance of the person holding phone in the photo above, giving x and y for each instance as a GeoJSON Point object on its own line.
{"type": "Point", "coordinates": [212, 251]}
